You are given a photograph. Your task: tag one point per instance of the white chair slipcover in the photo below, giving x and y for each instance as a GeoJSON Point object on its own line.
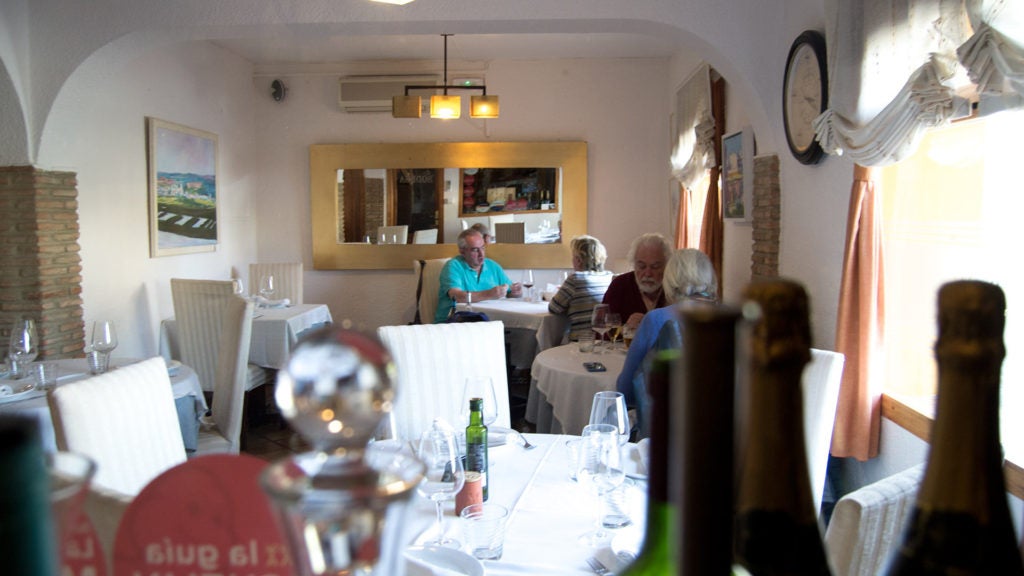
{"type": "Point", "coordinates": [199, 311]}
{"type": "Point", "coordinates": [431, 275]}
{"type": "Point", "coordinates": [433, 362]}
{"type": "Point", "coordinates": [124, 420]}
{"type": "Point", "coordinates": [287, 279]}
{"type": "Point", "coordinates": [425, 236]}
{"type": "Point", "coordinates": [223, 434]}
{"type": "Point", "coordinates": [821, 394]}
{"type": "Point", "coordinates": [499, 219]}
{"type": "Point", "coordinates": [868, 524]}
{"type": "Point", "coordinates": [400, 234]}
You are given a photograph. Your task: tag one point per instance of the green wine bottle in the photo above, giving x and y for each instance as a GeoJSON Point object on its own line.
{"type": "Point", "coordinates": [776, 525]}
{"type": "Point", "coordinates": [27, 545]}
{"type": "Point", "coordinates": [961, 523]}
{"type": "Point", "coordinates": [657, 555]}
{"type": "Point", "coordinates": [476, 442]}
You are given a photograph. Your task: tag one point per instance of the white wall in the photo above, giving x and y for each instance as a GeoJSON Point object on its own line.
{"type": "Point", "coordinates": [97, 129]}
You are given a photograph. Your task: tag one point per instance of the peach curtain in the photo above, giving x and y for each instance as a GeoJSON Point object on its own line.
{"type": "Point", "coordinates": [860, 324]}
{"type": "Point", "coordinates": [712, 229]}
{"type": "Point", "coordinates": [683, 219]}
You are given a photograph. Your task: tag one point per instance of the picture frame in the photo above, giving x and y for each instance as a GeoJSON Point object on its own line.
{"type": "Point", "coordinates": [737, 175]}
{"type": "Point", "coordinates": [182, 171]}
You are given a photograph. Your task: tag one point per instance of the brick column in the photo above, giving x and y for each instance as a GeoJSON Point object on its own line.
{"type": "Point", "coordinates": [767, 215]}
{"type": "Point", "coordinates": [40, 265]}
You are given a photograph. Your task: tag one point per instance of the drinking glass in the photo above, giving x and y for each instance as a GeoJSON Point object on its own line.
{"type": "Point", "coordinates": [479, 387]}
{"type": "Point", "coordinates": [599, 323]}
{"type": "Point", "coordinates": [614, 322]}
{"type": "Point", "coordinates": [24, 347]}
{"type": "Point", "coordinates": [104, 340]}
{"type": "Point", "coordinates": [599, 470]}
{"type": "Point", "coordinates": [267, 286]}
{"type": "Point", "coordinates": [238, 287]}
{"type": "Point", "coordinates": [528, 284]}
{"type": "Point", "coordinates": [444, 477]}
{"type": "Point", "coordinates": [609, 407]}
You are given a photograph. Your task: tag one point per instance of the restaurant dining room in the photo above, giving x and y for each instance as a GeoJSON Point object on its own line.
{"type": "Point", "coordinates": [421, 287]}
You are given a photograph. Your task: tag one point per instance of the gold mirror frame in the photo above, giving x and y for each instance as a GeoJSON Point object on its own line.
{"type": "Point", "coordinates": [326, 159]}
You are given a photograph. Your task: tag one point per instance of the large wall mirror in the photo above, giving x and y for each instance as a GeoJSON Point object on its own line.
{"type": "Point", "coordinates": [382, 206]}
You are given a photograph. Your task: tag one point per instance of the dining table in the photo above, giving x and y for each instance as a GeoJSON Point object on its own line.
{"type": "Point", "coordinates": [548, 510]}
{"type": "Point", "coordinates": [275, 331]}
{"type": "Point", "coordinates": [540, 329]}
{"type": "Point", "coordinates": [188, 397]}
{"type": "Point", "coordinates": [562, 388]}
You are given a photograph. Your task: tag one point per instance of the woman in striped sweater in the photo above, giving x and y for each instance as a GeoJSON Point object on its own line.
{"type": "Point", "coordinates": [583, 289]}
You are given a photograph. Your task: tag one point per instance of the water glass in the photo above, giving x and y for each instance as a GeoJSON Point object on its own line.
{"type": "Point", "coordinates": [586, 343]}
{"type": "Point", "coordinates": [46, 375]}
{"type": "Point", "coordinates": [24, 347]}
{"type": "Point", "coordinates": [483, 527]}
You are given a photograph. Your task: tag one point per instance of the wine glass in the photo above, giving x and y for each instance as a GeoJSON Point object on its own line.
{"type": "Point", "coordinates": [267, 286]}
{"type": "Point", "coordinates": [528, 284]}
{"type": "Point", "coordinates": [614, 322]}
{"type": "Point", "coordinates": [104, 340]}
{"type": "Point", "coordinates": [599, 470]}
{"type": "Point", "coordinates": [599, 322]}
{"type": "Point", "coordinates": [445, 476]}
{"type": "Point", "coordinates": [480, 387]}
{"type": "Point", "coordinates": [24, 346]}
{"type": "Point", "coordinates": [238, 287]}
{"type": "Point", "coordinates": [609, 407]}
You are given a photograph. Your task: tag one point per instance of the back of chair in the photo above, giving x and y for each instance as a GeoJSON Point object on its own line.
{"type": "Point", "coordinates": [199, 311]}
{"type": "Point", "coordinates": [232, 372]}
{"type": "Point", "coordinates": [430, 283]}
{"type": "Point", "coordinates": [433, 362]}
{"type": "Point", "coordinates": [425, 236]}
{"type": "Point", "coordinates": [510, 232]}
{"type": "Point", "coordinates": [287, 279]}
{"type": "Point", "coordinates": [393, 234]}
{"type": "Point", "coordinates": [499, 219]}
{"type": "Point", "coordinates": [821, 394]}
{"type": "Point", "coordinates": [125, 420]}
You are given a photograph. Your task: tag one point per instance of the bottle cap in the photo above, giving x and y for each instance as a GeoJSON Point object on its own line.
{"type": "Point", "coordinates": [472, 492]}
{"type": "Point", "coordinates": [476, 404]}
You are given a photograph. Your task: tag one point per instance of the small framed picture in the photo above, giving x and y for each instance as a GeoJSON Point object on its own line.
{"type": "Point", "coordinates": [182, 164]}
{"type": "Point", "coordinates": [737, 175]}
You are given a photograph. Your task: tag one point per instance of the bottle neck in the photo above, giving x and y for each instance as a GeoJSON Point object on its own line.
{"type": "Point", "coordinates": [476, 417]}
{"type": "Point", "coordinates": [775, 475]}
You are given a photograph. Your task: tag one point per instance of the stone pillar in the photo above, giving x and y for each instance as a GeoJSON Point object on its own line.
{"type": "Point", "coordinates": [767, 217]}
{"type": "Point", "coordinates": [40, 264]}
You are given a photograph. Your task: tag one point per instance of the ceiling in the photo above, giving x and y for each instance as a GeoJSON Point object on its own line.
{"type": "Point", "coordinates": [325, 48]}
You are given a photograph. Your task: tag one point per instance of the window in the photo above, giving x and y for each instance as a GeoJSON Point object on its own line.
{"type": "Point", "coordinates": [955, 210]}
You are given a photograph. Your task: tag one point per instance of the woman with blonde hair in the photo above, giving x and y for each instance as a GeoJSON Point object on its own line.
{"type": "Point", "coordinates": [585, 287]}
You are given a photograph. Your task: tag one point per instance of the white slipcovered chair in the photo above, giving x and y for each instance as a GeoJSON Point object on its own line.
{"type": "Point", "coordinates": [221, 432]}
{"type": "Point", "coordinates": [393, 234]}
{"type": "Point", "coordinates": [425, 236]}
{"type": "Point", "coordinates": [499, 219]}
{"type": "Point", "coordinates": [428, 273]}
{"type": "Point", "coordinates": [433, 362]}
{"type": "Point", "coordinates": [287, 279]}
{"type": "Point", "coordinates": [820, 381]}
{"type": "Point", "coordinates": [510, 232]}
{"type": "Point", "coordinates": [868, 524]}
{"type": "Point", "coordinates": [199, 313]}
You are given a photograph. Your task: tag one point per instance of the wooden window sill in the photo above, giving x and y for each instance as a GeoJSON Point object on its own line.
{"type": "Point", "coordinates": [915, 415]}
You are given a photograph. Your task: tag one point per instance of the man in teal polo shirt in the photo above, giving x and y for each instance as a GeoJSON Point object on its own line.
{"type": "Point", "coordinates": [471, 276]}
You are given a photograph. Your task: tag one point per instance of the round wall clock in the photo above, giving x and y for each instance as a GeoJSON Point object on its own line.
{"type": "Point", "coordinates": [805, 95]}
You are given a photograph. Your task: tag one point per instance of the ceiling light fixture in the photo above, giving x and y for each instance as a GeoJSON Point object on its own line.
{"type": "Point", "coordinates": [444, 105]}
{"type": "Point", "coordinates": [396, 2]}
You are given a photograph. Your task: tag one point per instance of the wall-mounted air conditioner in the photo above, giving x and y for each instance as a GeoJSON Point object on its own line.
{"type": "Point", "coordinates": [373, 93]}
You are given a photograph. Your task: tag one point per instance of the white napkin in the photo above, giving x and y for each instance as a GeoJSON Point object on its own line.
{"type": "Point", "coordinates": [643, 449]}
{"type": "Point", "coordinates": [6, 390]}
{"type": "Point", "coordinates": [266, 303]}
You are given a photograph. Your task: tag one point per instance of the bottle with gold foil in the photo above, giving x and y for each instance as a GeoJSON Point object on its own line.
{"type": "Point", "coordinates": [776, 525]}
{"type": "Point", "coordinates": [961, 523]}
{"type": "Point", "coordinates": [657, 556]}
{"type": "Point", "coordinates": [701, 439]}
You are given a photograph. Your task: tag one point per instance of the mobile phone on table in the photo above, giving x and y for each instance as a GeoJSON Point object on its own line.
{"type": "Point", "coordinates": [594, 367]}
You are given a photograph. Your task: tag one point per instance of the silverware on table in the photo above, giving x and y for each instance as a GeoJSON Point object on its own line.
{"type": "Point", "coordinates": [526, 443]}
{"type": "Point", "coordinates": [598, 568]}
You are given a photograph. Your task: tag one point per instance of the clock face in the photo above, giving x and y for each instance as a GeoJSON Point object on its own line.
{"type": "Point", "coordinates": [804, 97]}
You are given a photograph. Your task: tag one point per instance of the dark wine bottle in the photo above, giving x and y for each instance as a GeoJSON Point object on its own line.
{"type": "Point", "coordinates": [961, 522]}
{"type": "Point", "coordinates": [701, 442]}
{"type": "Point", "coordinates": [27, 543]}
{"type": "Point", "coordinates": [657, 556]}
{"type": "Point", "coordinates": [776, 525]}
{"type": "Point", "coordinates": [476, 442]}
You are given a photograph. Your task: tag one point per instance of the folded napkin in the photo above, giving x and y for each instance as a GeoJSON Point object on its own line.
{"type": "Point", "coordinates": [267, 303]}
{"type": "Point", "coordinates": [6, 390]}
{"type": "Point", "coordinates": [643, 449]}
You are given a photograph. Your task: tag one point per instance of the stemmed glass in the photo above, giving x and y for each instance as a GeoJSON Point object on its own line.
{"type": "Point", "coordinates": [445, 476]}
{"type": "Point", "coordinates": [104, 340]}
{"type": "Point", "coordinates": [238, 287]}
{"type": "Point", "coordinates": [24, 346]}
{"type": "Point", "coordinates": [599, 322]}
{"type": "Point", "coordinates": [528, 284]}
{"type": "Point", "coordinates": [480, 387]}
{"type": "Point", "coordinates": [614, 322]}
{"type": "Point", "coordinates": [267, 286]}
{"type": "Point", "coordinates": [599, 471]}
{"type": "Point", "coordinates": [609, 407]}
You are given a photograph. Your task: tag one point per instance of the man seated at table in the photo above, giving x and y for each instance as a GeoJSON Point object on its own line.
{"type": "Point", "coordinates": [584, 288]}
{"type": "Point", "coordinates": [472, 277]}
{"type": "Point", "coordinates": [633, 294]}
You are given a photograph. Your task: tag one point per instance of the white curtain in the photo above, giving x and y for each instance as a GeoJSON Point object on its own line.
{"type": "Point", "coordinates": [694, 150]}
{"type": "Point", "coordinates": [900, 67]}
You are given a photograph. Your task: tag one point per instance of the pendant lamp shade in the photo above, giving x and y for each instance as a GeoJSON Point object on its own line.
{"type": "Point", "coordinates": [445, 106]}
{"type": "Point", "coordinates": [483, 106]}
{"type": "Point", "coordinates": [406, 106]}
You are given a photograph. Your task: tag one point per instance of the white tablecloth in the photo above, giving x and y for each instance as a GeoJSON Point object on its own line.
{"type": "Point", "coordinates": [275, 332]}
{"type": "Point", "coordinates": [562, 390]}
{"type": "Point", "coordinates": [518, 314]}
{"type": "Point", "coordinates": [188, 396]}
{"type": "Point", "coordinates": [548, 511]}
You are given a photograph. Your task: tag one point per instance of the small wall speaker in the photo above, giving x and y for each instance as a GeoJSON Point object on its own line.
{"type": "Point", "coordinates": [278, 90]}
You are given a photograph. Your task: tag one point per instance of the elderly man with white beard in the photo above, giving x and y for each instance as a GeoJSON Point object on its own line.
{"type": "Point", "coordinates": [632, 294]}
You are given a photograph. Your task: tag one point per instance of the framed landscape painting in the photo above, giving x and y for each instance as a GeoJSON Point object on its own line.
{"type": "Point", "coordinates": [737, 175]}
{"type": "Point", "coordinates": [182, 189]}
